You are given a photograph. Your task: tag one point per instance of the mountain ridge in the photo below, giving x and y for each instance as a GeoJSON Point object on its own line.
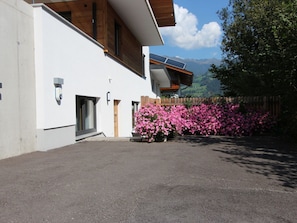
{"type": "Point", "coordinates": [197, 66]}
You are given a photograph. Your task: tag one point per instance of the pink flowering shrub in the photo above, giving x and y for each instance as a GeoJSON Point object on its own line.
{"type": "Point", "coordinates": [204, 119]}
{"type": "Point", "coordinates": [179, 118]}
{"type": "Point", "coordinates": [152, 121]}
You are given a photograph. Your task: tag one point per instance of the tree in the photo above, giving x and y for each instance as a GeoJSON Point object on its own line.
{"type": "Point", "coordinates": [259, 48]}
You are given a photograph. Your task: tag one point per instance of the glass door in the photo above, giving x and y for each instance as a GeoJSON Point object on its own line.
{"type": "Point", "coordinates": [85, 115]}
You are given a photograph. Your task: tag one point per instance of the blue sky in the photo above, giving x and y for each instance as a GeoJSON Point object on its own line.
{"type": "Point", "coordinates": [198, 32]}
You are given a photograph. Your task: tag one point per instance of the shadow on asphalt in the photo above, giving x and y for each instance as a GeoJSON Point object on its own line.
{"type": "Point", "coordinates": [268, 156]}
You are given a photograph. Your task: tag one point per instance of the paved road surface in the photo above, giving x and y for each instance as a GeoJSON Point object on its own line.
{"type": "Point", "coordinates": [200, 179]}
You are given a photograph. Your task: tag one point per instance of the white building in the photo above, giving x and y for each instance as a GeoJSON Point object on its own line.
{"type": "Point", "coordinates": [62, 81]}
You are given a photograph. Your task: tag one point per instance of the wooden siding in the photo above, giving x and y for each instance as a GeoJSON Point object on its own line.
{"type": "Point", "coordinates": [81, 16]}
{"type": "Point", "coordinates": [101, 22]}
{"type": "Point", "coordinates": [81, 13]}
{"type": "Point", "coordinates": [164, 12]}
{"type": "Point", "coordinates": [129, 47]}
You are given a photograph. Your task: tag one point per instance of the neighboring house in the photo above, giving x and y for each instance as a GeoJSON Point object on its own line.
{"type": "Point", "coordinates": [74, 69]}
{"type": "Point", "coordinates": [170, 75]}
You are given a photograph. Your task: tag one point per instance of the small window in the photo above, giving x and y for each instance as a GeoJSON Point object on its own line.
{"type": "Point", "coordinates": [143, 65]}
{"type": "Point", "coordinates": [94, 20]}
{"type": "Point", "coordinates": [153, 85]}
{"type": "Point", "coordinates": [66, 15]}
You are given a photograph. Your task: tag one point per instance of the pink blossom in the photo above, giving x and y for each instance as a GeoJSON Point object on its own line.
{"type": "Point", "coordinates": [203, 119]}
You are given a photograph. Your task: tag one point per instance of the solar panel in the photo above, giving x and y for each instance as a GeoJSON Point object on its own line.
{"type": "Point", "coordinates": [158, 58]}
{"type": "Point", "coordinates": [168, 61]}
{"type": "Point", "coordinates": [176, 63]}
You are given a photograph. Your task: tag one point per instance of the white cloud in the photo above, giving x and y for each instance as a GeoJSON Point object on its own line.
{"type": "Point", "coordinates": [185, 33]}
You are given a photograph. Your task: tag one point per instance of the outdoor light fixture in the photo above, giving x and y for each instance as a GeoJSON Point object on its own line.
{"type": "Point", "coordinates": [108, 96]}
{"type": "Point", "coordinates": [58, 82]}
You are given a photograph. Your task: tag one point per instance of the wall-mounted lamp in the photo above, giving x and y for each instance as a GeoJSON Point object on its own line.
{"type": "Point", "coordinates": [58, 82]}
{"type": "Point", "coordinates": [108, 96]}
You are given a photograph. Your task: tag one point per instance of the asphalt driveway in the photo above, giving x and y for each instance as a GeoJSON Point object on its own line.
{"type": "Point", "coordinates": [194, 179]}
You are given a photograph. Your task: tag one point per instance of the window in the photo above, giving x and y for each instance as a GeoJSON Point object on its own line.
{"type": "Point", "coordinates": [94, 20]}
{"type": "Point", "coordinates": [117, 36]}
{"type": "Point", "coordinates": [134, 110]}
{"type": "Point", "coordinates": [85, 115]}
{"type": "Point", "coordinates": [66, 15]}
{"type": "Point", "coordinates": [143, 65]}
{"type": "Point", "coordinates": [153, 85]}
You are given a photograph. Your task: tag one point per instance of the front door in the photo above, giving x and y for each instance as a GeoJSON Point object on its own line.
{"type": "Point", "coordinates": [116, 117]}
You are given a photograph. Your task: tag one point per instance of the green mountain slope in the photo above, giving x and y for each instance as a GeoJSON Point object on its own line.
{"type": "Point", "coordinates": [204, 85]}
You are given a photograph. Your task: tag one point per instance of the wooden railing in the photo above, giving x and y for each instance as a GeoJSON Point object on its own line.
{"type": "Point", "coordinates": [270, 104]}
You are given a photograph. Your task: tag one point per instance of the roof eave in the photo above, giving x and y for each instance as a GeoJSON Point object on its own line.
{"type": "Point", "coordinates": [164, 12]}
{"type": "Point", "coordinates": [160, 74]}
{"type": "Point", "coordinates": [137, 15]}
{"type": "Point", "coordinates": [140, 19]}
{"type": "Point", "coordinates": [186, 76]}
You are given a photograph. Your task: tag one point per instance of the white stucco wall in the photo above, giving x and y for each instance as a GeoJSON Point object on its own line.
{"type": "Point", "coordinates": [63, 51]}
{"type": "Point", "coordinates": [17, 104]}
